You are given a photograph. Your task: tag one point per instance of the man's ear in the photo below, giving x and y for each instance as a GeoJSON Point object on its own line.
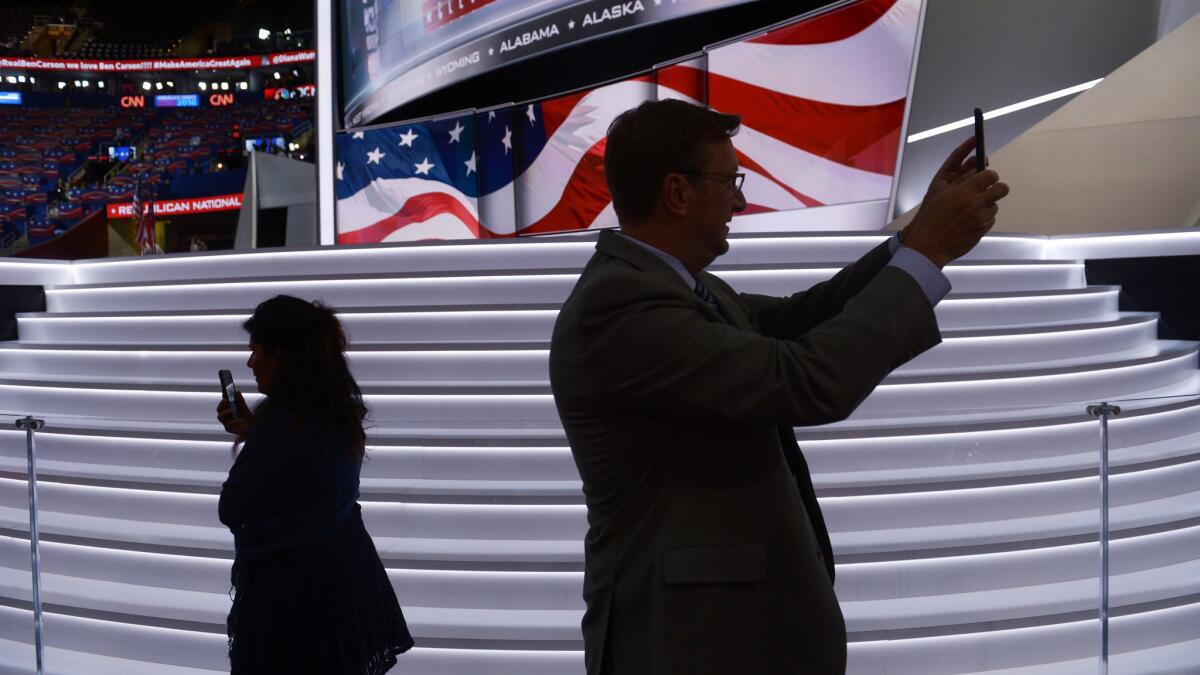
{"type": "Point", "coordinates": [677, 194]}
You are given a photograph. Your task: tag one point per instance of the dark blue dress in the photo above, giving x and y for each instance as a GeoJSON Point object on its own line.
{"type": "Point", "coordinates": [310, 593]}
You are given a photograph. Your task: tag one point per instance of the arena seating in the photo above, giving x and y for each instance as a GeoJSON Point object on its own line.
{"type": "Point", "coordinates": [36, 153]}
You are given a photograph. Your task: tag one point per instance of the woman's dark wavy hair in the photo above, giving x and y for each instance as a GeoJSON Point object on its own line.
{"type": "Point", "coordinates": [313, 379]}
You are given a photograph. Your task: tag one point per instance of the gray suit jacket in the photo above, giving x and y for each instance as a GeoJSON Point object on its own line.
{"type": "Point", "coordinates": [703, 554]}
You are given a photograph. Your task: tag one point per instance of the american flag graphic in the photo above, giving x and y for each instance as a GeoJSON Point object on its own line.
{"type": "Point", "coordinates": [560, 156]}
{"type": "Point", "coordinates": [409, 182]}
{"type": "Point", "coordinates": [143, 218]}
{"type": "Point", "coordinates": [497, 164]}
{"type": "Point", "coordinates": [821, 100]}
{"type": "Point", "coordinates": [822, 104]}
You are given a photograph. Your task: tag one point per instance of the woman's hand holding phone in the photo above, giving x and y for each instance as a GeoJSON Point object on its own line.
{"type": "Point", "coordinates": [239, 424]}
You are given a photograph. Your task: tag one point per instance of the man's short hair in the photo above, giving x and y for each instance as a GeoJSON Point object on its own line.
{"type": "Point", "coordinates": [652, 140]}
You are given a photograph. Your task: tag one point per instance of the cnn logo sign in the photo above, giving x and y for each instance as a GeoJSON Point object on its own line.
{"type": "Point", "coordinates": [218, 100]}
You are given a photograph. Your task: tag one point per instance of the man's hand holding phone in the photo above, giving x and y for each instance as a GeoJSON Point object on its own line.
{"type": "Point", "coordinates": [960, 205]}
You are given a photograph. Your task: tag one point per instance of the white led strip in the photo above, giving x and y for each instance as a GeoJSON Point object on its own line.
{"type": "Point", "coordinates": [999, 112]}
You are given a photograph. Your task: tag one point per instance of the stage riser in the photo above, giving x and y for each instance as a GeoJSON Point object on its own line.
{"type": "Point", "coordinates": [1038, 648]}
{"type": "Point", "coordinates": [888, 400]}
{"type": "Point", "coordinates": [981, 651]}
{"type": "Point", "coordinates": [493, 325]}
{"type": "Point", "coordinates": [507, 289]}
{"type": "Point", "coordinates": [502, 256]}
{"type": "Point", "coordinates": [509, 462]}
{"type": "Point", "coordinates": [914, 580]}
{"type": "Point", "coordinates": [141, 643]}
{"type": "Point", "coordinates": [430, 366]}
{"type": "Point", "coordinates": [849, 517]}
{"type": "Point", "coordinates": [886, 460]}
{"type": "Point", "coordinates": [961, 495]}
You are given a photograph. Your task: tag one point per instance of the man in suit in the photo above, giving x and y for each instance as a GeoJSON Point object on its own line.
{"type": "Point", "coordinates": [706, 551]}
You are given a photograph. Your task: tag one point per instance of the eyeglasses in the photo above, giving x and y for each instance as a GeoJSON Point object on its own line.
{"type": "Point", "coordinates": [733, 180]}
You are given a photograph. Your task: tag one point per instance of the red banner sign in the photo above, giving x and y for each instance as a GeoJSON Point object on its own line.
{"type": "Point", "coordinates": [284, 93]}
{"type": "Point", "coordinates": [179, 207]}
{"type": "Point", "coordinates": [145, 65]}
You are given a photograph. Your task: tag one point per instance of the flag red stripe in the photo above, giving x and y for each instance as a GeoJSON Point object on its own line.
{"type": "Point", "coordinates": [754, 166]}
{"type": "Point", "coordinates": [555, 111]}
{"type": "Point", "coordinates": [683, 79]}
{"type": "Point", "coordinates": [830, 27]}
{"type": "Point", "coordinates": [416, 209]}
{"type": "Point", "coordinates": [583, 198]}
{"type": "Point", "coordinates": [862, 137]}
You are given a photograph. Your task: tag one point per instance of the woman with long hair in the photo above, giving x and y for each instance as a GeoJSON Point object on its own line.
{"type": "Point", "coordinates": [310, 593]}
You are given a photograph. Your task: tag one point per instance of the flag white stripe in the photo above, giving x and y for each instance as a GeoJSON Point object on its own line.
{"type": "Point", "coordinates": [498, 211]}
{"type": "Point", "coordinates": [825, 181]}
{"type": "Point", "coordinates": [606, 218]}
{"type": "Point", "coordinates": [541, 186]}
{"type": "Point", "coordinates": [443, 226]}
{"type": "Point", "coordinates": [758, 189]}
{"type": "Point", "coordinates": [383, 198]}
{"type": "Point", "coordinates": [868, 68]}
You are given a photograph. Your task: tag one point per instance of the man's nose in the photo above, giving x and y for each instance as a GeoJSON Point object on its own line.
{"type": "Point", "coordinates": [739, 201]}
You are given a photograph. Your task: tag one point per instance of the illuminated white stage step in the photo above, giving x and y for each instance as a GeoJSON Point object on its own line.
{"type": "Point", "coordinates": [151, 645]}
{"type": "Point", "coordinates": [1170, 370]}
{"type": "Point", "coordinates": [514, 323]}
{"type": "Point", "coordinates": [1031, 605]}
{"type": "Point", "coordinates": [551, 606]}
{"type": "Point", "coordinates": [1151, 642]}
{"type": "Point", "coordinates": [502, 288]}
{"type": "Point", "coordinates": [882, 461]}
{"type": "Point", "coordinates": [864, 527]}
{"type": "Point", "coordinates": [67, 662]}
{"type": "Point", "coordinates": [895, 461]}
{"type": "Point", "coordinates": [498, 255]}
{"type": "Point", "coordinates": [1157, 641]}
{"type": "Point", "coordinates": [919, 590]}
{"type": "Point", "coordinates": [1130, 336]}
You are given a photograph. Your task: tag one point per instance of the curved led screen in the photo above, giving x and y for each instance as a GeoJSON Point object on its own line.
{"type": "Point", "coordinates": [395, 51]}
{"type": "Point", "coordinates": [821, 100]}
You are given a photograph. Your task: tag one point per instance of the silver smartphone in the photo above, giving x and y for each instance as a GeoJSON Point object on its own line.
{"type": "Point", "coordinates": [229, 391]}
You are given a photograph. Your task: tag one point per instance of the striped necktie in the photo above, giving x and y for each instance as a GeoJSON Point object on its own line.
{"type": "Point", "coordinates": [705, 294]}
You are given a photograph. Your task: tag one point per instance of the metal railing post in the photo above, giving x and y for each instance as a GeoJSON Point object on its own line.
{"type": "Point", "coordinates": [1103, 411]}
{"type": "Point", "coordinates": [30, 425]}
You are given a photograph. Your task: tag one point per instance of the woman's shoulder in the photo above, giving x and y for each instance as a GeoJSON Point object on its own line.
{"type": "Point", "coordinates": [271, 416]}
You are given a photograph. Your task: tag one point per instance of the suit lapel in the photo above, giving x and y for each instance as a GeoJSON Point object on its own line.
{"type": "Point", "coordinates": [727, 310]}
{"type": "Point", "coordinates": [612, 244]}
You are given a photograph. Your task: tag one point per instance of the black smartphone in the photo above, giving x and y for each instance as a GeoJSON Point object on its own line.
{"type": "Point", "coordinates": [229, 391]}
{"type": "Point", "coordinates": [980, 152]}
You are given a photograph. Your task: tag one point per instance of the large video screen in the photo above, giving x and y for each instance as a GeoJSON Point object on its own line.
{"type": "Point", "coordinates": [395, 51]}
{"type": "Point", "coordinates": [821, 100]}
